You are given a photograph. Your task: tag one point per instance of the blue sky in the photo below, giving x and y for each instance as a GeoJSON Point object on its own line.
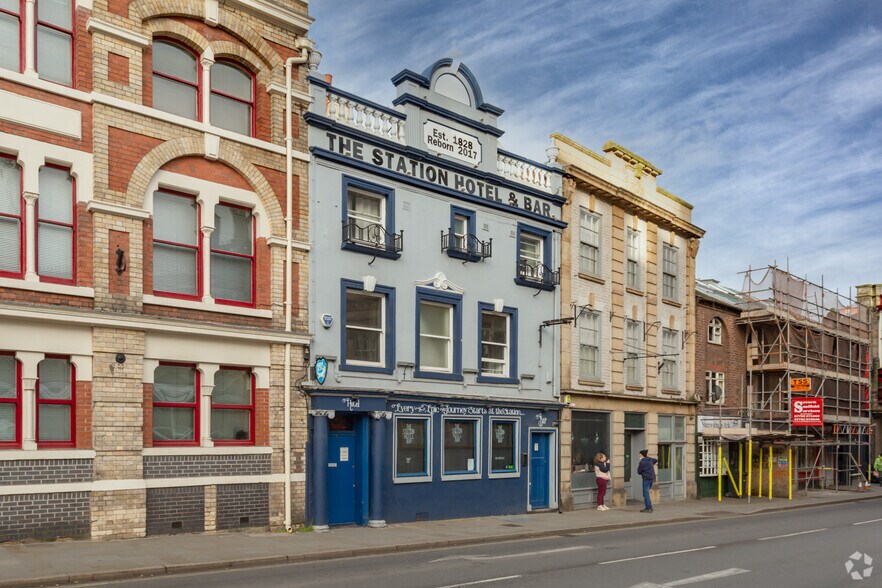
{"type": "Point", "coordinates": [767, 116]}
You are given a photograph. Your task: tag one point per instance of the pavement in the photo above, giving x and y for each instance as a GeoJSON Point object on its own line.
{"type": "Point", "coordinates": [25, 565]}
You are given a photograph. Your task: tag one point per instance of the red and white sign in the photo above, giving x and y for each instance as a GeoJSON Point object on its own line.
{"type": "Point", "coordinates": [807, 412]}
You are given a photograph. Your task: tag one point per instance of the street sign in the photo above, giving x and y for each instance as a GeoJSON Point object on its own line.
{"type": "Point", "coordinates": [807, 412]}
{"type": "Point", "coordinates": [800, 384]}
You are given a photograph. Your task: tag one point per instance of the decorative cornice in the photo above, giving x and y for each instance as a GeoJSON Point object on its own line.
{"type": "Point", "coordinates": [632, 159]}
{"type": "Point", "coordinates": [93, 25]}
{"type": "Point", "coordinates": [273, 12]}
{"type": "Point", "coordinates": [117, 210]}
{"type": "Point", "coordinates": [580, 148]}
{"type": "Point", "coordinates": [277, 89]}
{"type": "Point", "coordinates": [281, 242]}
{"type": "Point", "coordinates": [676, 199]}
{"type": "Point", "coordinates": [440, 282]}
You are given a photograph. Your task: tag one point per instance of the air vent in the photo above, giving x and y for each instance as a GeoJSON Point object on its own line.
{"type": "Point", "coordinates": [177, 525]}
{"type": "Point", "coordinates": [244, 520]}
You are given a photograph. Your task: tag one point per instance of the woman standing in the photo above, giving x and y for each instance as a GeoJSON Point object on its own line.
{"type": "Point", "coordinates": [601, 471]}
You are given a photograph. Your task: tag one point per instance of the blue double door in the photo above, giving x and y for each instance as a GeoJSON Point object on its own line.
{"type": "Point", "coordinates": [347, 470]}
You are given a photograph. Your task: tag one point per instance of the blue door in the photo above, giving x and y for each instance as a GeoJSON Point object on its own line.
{"type": "Point", "coordinates": [539, 475]}
{"type": "Point", "coordinates": [342, 458]}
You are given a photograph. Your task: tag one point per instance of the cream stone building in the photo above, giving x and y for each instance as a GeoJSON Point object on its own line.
{"type": "Point", "coordinates": [628, 350]}
{"type": "Point", "coordinates": [153, 265]}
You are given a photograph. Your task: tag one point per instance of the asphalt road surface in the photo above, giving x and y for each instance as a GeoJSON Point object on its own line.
{"type": "Point", "coordinates": [802, 548]}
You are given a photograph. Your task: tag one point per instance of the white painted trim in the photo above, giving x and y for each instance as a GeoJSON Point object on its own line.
{"type": "Point", "coordinates": [206, 307]}
{"type": "Point", "coordinates": [281, 242]}
{"type": "Point", "coordinates": [277, 89]}
{"type": "Point", "coordinates": [47, 287]}
{"type": "Point", "coordinates": [152, 324]}
{"type": "Point", "coordinates": [19, 455]}
{"type": "Point", "coordinates": [42, 115]}
{"type": "Point", "coordinates": [230, 450]}
{"type": "Point", "coordinates": [274, 13]}
{"type": "Point", "coordinates": [87, 4]}
{"type": "Point", "coordinates": [34, 82]}
{"type": "Point", "coordinates": [118, 210]}
{"type": "Point", "coordinates": [120, 485]}
{"type": "Point", "coordinates": [111, 30]}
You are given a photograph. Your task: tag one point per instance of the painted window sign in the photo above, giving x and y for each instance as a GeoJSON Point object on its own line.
{"type": "Point", "coordinates": [502, 453]}
{"type": "Point", "coordinates": [449, 141]}
{"type": "Point", "coordinates": [412, 448]}
{"type": "Point", "coordinates": [439, 176]}
{"type": "Point", "coordinates": [460, 449]}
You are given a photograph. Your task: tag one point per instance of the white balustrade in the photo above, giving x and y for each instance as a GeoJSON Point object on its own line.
{"type": "Point", "coordinates": [364, 117]}
{"type": "Point", "coordinates": [523, 172]}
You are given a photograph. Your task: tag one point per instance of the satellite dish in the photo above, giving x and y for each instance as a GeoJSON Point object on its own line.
{"type": "Point", "coordinates": [715, 395]}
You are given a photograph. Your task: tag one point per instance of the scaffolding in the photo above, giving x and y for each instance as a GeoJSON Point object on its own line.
{"type": "Point", "coordinates": [798, 330]}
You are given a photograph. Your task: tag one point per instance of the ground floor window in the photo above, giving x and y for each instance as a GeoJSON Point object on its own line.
{"type": "Point", "coordinates": [503, 446]}
{"type": "Point", "coordinates": [460, 456]}
{"type": "Point", "coordinates": [591, 435]}
{"type": "Point", "coordinates": [10, 401]}
{"type": "Point", "coordinates": [412, 445]}
{"type": "Point", "coordinates": [55, 402]}
{"type": "Point", "coordinates": [671, 445]}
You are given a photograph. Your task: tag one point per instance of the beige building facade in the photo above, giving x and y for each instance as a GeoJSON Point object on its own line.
{"type": "Point", "coordinates": [628, 352]}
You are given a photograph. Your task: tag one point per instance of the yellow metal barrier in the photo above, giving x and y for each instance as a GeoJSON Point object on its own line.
{"type": "Point", "coordinates": [790, 473]}
{"type": "Point", "coordinates": [720, 472]}
{"type": "Point", "coordinates": [749, 465]}
{"type": "Point", "coordinates": [771, 459]}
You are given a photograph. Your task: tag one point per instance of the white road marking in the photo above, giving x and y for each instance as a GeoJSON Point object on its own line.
{"type": "Point", "coordinates": [792, 534]}
{"type": "Point", "coordinates": [487, 581]}
{"type": "Point", "coordinates": [509, 555]}
{"type": "Point", "coordinates": [603, 563]}
{"type": "Point", "coordinates": [866, 522]}
{"type": "Point", "coordinates": [706, 577]}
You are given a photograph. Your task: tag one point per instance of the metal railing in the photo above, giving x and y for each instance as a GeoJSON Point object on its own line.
{"type": "Point", "coordinates": [466, 245]}
{"type": "Point", "coordinates": [541, 274]}
{"type": "Point", "coordinates": [373, 236]}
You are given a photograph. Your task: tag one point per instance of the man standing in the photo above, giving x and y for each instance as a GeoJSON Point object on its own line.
{"type": "Point", "coordinates": [646, 469]}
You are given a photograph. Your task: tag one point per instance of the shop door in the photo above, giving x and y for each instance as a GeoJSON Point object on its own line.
{"type": "Point", "coordinates": [679, 465]}
{"type": "Point", "coordinates": [540, 446]}
{"type": "Point", "coordinates": [343, 503]}
{"type": "Point", "coordinates": [633, 481]}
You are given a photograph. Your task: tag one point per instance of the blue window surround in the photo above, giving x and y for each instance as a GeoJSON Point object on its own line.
{"type": "Point", "coordinates": [516, 432]}
{"type": "Point", "coordinates": [472, 230]}
{"type": "Point", "coordinates": [512, 377]}
{"type": "Point", "coordinates": [455, 300]}
{"type": "Point", "coordinates": [546, 256]}
{"type": "Point", "coordinates": [425, 476]}
{"type": "Point", "coordinates": [389, 294]}
{"type": "Point", "coordinates": [388, 195]}
{"type": "Point", "coordinates": [474, 473]}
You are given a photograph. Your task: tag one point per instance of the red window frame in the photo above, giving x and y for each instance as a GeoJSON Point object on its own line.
{"type": "Point", "coordinates": [70, 402]}
{"type": "Point", "coordinates": [194, 405]}
{"type": "Point", "coordinates": [252, 104]}
{"type": "Point", "coordinates": [249, 407]}
{"type": "Point", "coordinates": [19, 16]}
{"type": "Point", "coordinates": [73, 233]}
{"type": "Point", "coordinates": [198, 248]}
{"type": "Point", "coordinates": [15, 443]}
{"type": "Point", "coordinates": [69, 32]}
{"type": "Point", "coordinates": [21, 219]}
{"type": "Point", "coordinates": [197, 85]}
{"type": "Point", "coordinates": [252, 258]}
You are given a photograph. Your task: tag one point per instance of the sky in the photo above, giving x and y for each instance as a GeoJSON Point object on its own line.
{"type": "Point", "coordinates": [766, 116]}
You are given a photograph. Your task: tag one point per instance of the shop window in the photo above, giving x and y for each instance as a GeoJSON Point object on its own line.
{"type": "Point", "coordinates": [670, 353]}
{"type": "Point", "coordinates": [369, 219]}
{"type": "Point", "coordinates": [589, 243]}
{"type": "Point", "coordinates": [633, 352]}
{"type": "Point", "coordinates": [669, 272]}
{"type": "Point", "coordinates": [503, 448]}
{"type": "Point", "coordinates": [55, 40]}
{"type": "Point", "coordinates": [591, 435]}
{"type": "Point", "coordinates": [439, 335]}
{"type": "Point", "coordinates": [715, 331]}
{"type": "Point", "coordinates": [589, 345]}
{"type": "Point", "coordinates": [176, 83]}
{"type": "Point", "coordinates": [671, 439]}
{"type": "Point", "coordinates": [412, 449]}
{"type": "Point", "coordinates": [175, 405]}
{"type": "Point", "coordinates": [368, 328]}
{"type": "Point", "coordinates": [498, 344]}
{"type": "Point", "coordinates": [633, 269]}
{"type": "Point", "coordinates": [55, 403]}
{"type": "Point", "coordinates": [232, 98]}
{"type": "Point", "coordinates": [177, 248]}
{"type": "Point", "coordinates": [11, 34]}
{"type": "Point", "coordinates": [10, 401]}
{"type": "Point", "coordinates": [12, 241]}
{"type": "Point", "coordinates": [232, 407]}
{"type": "Point", "coordinates": [534, 259]}
{"type": "Point", "coordinates": [232, 255]}
{"type": "Point", "coordinates": [56, 229]}
{"type": "Point", "coordinates": [460, 455]}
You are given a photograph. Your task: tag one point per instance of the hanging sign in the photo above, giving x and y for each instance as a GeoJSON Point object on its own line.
{"type": "Point", "coordinates": [321, 370]}
{"type": "Point", "coordinates": [800, 384]}
{"type": "Point", "coordinates": [807, 412]}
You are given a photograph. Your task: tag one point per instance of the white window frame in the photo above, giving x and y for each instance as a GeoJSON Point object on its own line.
{"type": "Point", "coordinates": [670, 272]}
{"type": "Point", "coordinates": [670, 363]}
{"type": "Point", "coordinates": [450, 312]}
{"type": "Point", "coordinates": [715, 331]}
{"type": "Point", "coordinates": [633, 351]}
{"type": "Point", "coordinates": [517, 448]}
{"type": "Point", "coordinates": [539, 261]}
{"type": "Point", "coordinates": [632, 256]}
{"type": "Point", "coordinates": [381, 330]}
{"type": "Point", "coordinates": [718, 378]}
{"type": "Point", "coordinates": [413, 478]}
{"type": "Point", "coordinates": [590, 236]}
{"type": "Point", "coordinates": [353, 215]}
{"type": "Point", "coordinates": [709, 463]}
{"type": "Point", "coordinates": [475, 475]}
{"type": "Point", "coordinates": [461, 239]}
{"type": "Point", "coordinates": [584, 342]}
{"type": "Point", "coordinates": [506, 362]}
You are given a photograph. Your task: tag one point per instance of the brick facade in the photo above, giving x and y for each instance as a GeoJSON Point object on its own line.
{"type": "Point", "coordinates": [728, 357]}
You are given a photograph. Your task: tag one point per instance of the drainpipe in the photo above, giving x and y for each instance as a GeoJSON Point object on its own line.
{"type": "Point", "coordinates": [305, 46]}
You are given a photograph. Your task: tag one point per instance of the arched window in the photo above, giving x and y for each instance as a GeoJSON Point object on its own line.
{"type": "Point", "coordinates": [55, 46]}
{"type": "Point", "coordinates": [715, 331]}
{"type": "Point", "coordinates": [11, 219]}
{"type": "Point", "coordinates": [232, 98]}
{"type": "Point", "coordinates": [177, 251]}
{"type": "Point", "coordinates": [11, 34]}
{"type": "Point", "coordinates": [175, 79]}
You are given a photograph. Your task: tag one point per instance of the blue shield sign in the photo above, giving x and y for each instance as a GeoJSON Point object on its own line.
{"type": "Point", "coordinates": [321, 370]}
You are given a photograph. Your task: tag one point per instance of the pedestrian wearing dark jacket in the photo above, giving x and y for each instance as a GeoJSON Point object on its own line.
{"type": "Point", "coordinates": [646, 469]}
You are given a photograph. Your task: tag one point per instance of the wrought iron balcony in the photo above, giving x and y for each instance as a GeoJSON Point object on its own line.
{"type": "Point", "coordinates": [373, 238]}
{"type": "Point", "coordinates": [538, 274]}
{"type": "Point", "coordinates": [467, 247]}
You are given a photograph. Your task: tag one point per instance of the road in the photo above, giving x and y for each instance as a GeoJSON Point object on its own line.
{"type": "Point", "coordinates": [803, 548]}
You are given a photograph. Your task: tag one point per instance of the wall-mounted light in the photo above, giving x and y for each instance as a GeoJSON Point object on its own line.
{"type": "Point", "coordinates": [498, 304]}
{"type": "Point", "coordinates": [370, 282]}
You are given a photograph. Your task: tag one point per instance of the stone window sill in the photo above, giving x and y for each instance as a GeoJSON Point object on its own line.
{"type": "Point", "coordinates": [635, 291]}
{"type": "Point", "coordinates": [670, 302]}
{"type": "Point", "coordinates": [591, 382]}
{"type": "Point", "coordinates": [590, 278]}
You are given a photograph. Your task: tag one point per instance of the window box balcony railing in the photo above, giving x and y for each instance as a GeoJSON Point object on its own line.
{"type": "Point", "coordinates": [373, 239]}
{"type": "Point", "coordinates": [467, 247]}
{"type": "Point", "coordinates": [538, 275]}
